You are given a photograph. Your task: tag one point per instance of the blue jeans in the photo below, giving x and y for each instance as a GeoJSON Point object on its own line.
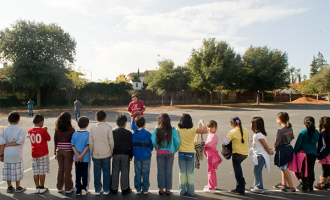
{"type": "Point", "coordinates": [30, 112]}
{"type": "Point", "coordinates": [142, 170]}
{"type": "Point", "coordinates": [240, 181]}
{"type": "Point", "coordinates": [258, 172]}
{"type": "Point", "coordinates": [186, 175]}
{"type": "Point", "coordinates": [164, 170]}
{"type": "Point", "coordinates": [76, 114]}
{"type": "Point", "coordinates": [133, 126]}
{"type": "Point", "coordinates": [102, 165]}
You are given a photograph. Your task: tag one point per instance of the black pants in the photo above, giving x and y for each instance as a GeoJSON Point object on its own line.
{"type": "Point", "coordinates": [307, 182]}
{"type": "Point", "coordinates": [81, 176]}
{"type": "Point", "coordinates": [240, 181]}
{"type": "Point", "coordinates": [326, 171]}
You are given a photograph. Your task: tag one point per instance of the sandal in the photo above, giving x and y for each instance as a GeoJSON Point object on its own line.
{"type": "Point", "coordinates": [167, 192]}
{"type": "Point", "coordinates": [161, 192]}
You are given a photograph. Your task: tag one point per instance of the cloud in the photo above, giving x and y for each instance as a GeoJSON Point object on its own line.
{"type": "Point", "coordinates": [78, 6]}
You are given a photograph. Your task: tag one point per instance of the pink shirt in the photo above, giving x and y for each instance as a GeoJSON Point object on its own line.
{"type": "Point", "coordinates": [212, 140]}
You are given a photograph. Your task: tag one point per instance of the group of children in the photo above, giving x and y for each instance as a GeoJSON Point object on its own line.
{"type": "Point", "coordinates": [102, 143]}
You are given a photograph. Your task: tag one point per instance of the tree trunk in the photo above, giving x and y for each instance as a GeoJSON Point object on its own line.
{"type": "Point", "coordinates": [211, 97]}
{"type": "Point", "coordinates": [263, 96]}
{"type": "Point", "coordinates": [171, 98]}
{"type": "Point", "coordinates": [258, 98]}
{"type": "Point", "coordinates": [38, 96]}
{"type": "Point", "coordinates": [221, 97]}
{"type": "Point", "coordinates": [329, 97]}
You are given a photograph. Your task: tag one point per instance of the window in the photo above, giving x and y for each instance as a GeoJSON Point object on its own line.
{"type": "Point", "coordinates": [136, 85]}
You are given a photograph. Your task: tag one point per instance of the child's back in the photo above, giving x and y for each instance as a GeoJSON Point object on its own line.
{"type": "Point", "coordinates": [10, 134]}
{"type": "Point", "coordinates": [142, 145]}
{"type": "Point", "coordinates": [101, 140]}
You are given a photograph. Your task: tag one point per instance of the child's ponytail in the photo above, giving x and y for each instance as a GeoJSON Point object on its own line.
{"type": "Point", "coordinates": [324, 123]}
{"type": "Point", "coordinates": [284, 117]}
{"type": "Point", "coordinates": [310, 125]}
{"type": "Point", "coordinates": [237, 122]}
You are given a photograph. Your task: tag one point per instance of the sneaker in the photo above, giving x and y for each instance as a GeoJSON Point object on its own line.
{"type": "Point", "coordinates": [42, 190]}
{"type": "Point", "coordinates": [237, 192]}
{"type": "Point", "coordinates": [70, 191]}
{"type": "Point", "coordinates": [168, 192]}
{"type": "Point", "coordinates": [20, 189]}
{"type": "Point", "coordinates": [84, 192]}
{"type": "Point", "coordinates": [257, 190]}
{"type": "Point", "coordinates": [279, 186]}
{"type": "Point", "coordinates": [287, 189]}
{"type": "Point", "coordinates": [59, 191]}
{"type": "Point", "coordinates": [10, 189]}
{"type": "Point", "coordinates": [299, 187]}
{"type": "Point", "coordinates": [145, 193]}
{"type": "Point", "coordinates": [97, 193]}
{"type": "Point", "coordinates": [127, 191]}
{"type": "Point", "coordinates": [37, 190]}
{"type": "Point", "coordinates": [106, 193]}
{"type": "Point", "coordinates": [138, 192]}
{"type": "Point", "coordinates": [206, 189]}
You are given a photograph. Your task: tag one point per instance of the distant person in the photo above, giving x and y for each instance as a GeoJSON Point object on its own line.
{"type": "Point", "coordinates": [212, 155]}
{"type": "Point", "coordinates": [142, 147]}
{"type": "Point", "coordinates": [63, 152]}
{"type": "Point", "coordinates": [306, 144]}
{"type": "Point", "coordinates": [261, 153]}
{"type": "Point", "coordinates": [187, 133]}
{"type": "Point", "coordinates": [39, 137]}
{"type": "Point", "coordinates": [135, 108]}
{"type": "Point", "coordinates": [122, 155]}
{"type": "Point", "coordinates": [284, 151]}
{"type": "Point", "coordinates": [166, 141]}
{"type": "Point", "coordinates": [239, 138]}
{"type": "Point", "coordinates": [12, 139]}
{"type": "Point", "coordinates": [82, 156]}
{"type": "Point", "coordinates": [323, 150]}
{"type": "Point", "coordinates": [30, 104]}
{"type": "Point", "coordinates": [77, 106]}
{"type": "Point", "coordinates": [101, 146]}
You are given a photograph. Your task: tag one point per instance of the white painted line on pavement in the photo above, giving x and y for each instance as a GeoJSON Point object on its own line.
{"type": "Point", "coordinates": [27, 170]}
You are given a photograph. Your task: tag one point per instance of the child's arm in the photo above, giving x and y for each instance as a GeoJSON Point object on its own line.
{"type": "Point", "coordinates": [81, 156]}
{"type": "Point", "coordinates": [298, 143]}
{"type": "Point", "coordinates": [75, 150]}
{"type": "Point", "coordinates": [11, 144]}
{"type": "Point", "coordinates": [204, 128]}
{"type": "Point", "coordinates": [2, 147]}
{"type": "Point", "coordinates": [47, 136]}
{"type": "Point", "coordinates": [266, 147]}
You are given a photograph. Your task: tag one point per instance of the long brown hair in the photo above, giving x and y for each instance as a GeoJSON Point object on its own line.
{"type": "Point", "coordinates": [324, 123]}
{"type": "Point", "coordinates": [284, 117]}
{"type": "Point", "coordinates": [237, 122]}
{"type": "Point", "coordinates": [164, 131]}
{"type": "Point", "coordinates": [63, 122]}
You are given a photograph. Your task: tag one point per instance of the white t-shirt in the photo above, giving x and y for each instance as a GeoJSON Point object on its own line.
{"type": "Point", "coordinates": [13, 133]}
{"type": "Point", "coordinates": [257, 146]}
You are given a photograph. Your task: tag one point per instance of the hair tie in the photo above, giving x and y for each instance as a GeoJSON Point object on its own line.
{"type": "Point", "coordinates": [237, 121]}
{"type": "Point", "coordinates": [308, 121]}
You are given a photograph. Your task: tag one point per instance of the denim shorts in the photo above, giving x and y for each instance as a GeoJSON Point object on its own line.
{"type": "Point", "coordinates": [284, 166]}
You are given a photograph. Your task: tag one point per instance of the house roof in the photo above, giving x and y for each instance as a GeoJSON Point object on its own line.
{"type": "Point", "coordinates": [136, 80]}
{"type": "Point", "coordinates": [141, 73]}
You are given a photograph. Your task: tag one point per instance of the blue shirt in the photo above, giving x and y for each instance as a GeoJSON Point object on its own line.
{"type": "Point", "coordinates": [30, 104]}
{"type": "Point", "coordinates": [80, 139]}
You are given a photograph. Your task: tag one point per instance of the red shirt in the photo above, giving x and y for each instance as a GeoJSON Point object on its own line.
{"type": "Point", "coordinates": [39, 137]}
{"type": "Point", "coordinates": [133, 107]}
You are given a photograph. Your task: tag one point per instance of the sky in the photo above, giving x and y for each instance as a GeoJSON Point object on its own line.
{"type": "Point", "coordinates": [119, 37]}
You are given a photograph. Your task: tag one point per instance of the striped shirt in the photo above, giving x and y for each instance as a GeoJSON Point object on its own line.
{"type": "Point", "coordinates": [62, 140]}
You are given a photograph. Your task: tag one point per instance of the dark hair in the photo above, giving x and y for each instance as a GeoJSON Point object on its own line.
{"type": "Point", "coordinates": [237, 122]}
{"type": "Point", "coordinates": [164, 130]}
{"type": "Point", "coordinates": [83, 122]}
{"type": "Point", "coordinates": [121, 119]}
{"type": "Point", "coordinates": [63, 122]}
{"type": "Point", "coordinates": [140, 121]}
{"type": "Point", "coordinates": [284, 118]}
{"type": "Point", "coordinates": [324, 122]}
{"type": "Point", "coordinates": [212, 124]}
{"type": "Point", "coordinates": [134, 95]}
{"type": "Point", "coordinates": [100, 115]}
{"type": "Point", "coordinates": [185, 121]}
{"type": "Point", "coordinates": [258, 125]}
{"type": "Point", "coordinates": [38, 118]}
{"type": "Point", "coordinates": [77, 99]}
{"type": "Point", "coordinates": [13, 117]}
{"type": "Point", "coordinates": [310, 125]}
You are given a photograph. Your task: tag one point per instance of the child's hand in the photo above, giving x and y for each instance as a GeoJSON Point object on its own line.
{"type": "Point", "coordinates": [271, 152]}
{"type": "Point", "coordinates": [79, 158]}
{"type": "Point", "coordinates": [2, 159]}
{"type": "Point", "coordinates": [6, 145]}
{"type": "Point", "coordinates": [130, 159]}
{"type": "Point", "coordinates": [45, 128]}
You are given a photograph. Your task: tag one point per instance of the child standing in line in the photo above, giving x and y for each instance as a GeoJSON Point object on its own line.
{"type": "Point", "coordinates": [40, 159]}
{"type": "Point", "coordinates": [82, 156]}
{"type": "Point", "coordinates": [63, 152]}
{"type": "Point", "coordinates": [12, 139]}
{"type": "Point", "coordinates": [101, 147]}
{"type": "Point", "coordinates": [306, 142]}
{"type": "Point", "coordinates": [261, 153]}
{"type": "Point", "coordinates": [122, 155]}
{"type": "Point", "coordinates": [323, 150]}
{"type": "Point", "coordinates": [282, 144]}
{"type": "Point", "coordinates": [212, 155]}
{"type": "Point", "coordinates": [142, 147]}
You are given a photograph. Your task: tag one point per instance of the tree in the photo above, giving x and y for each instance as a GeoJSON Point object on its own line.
{"type": "Point", "coordinates": [122, 78]}
{"type": "Point", "coordinates": [306, 87]}
{"type": "Point", "coordinates": [168, 78]}
{"type": "Point", "coordinates": [317, 64]}
{"type": "Point", "coordinates": [39, 54]}
{"type": "Point", "coordinates": [73, 81]}
{"type": "Point", "coordinates": [215, 66]}
{"type": "Point", "coordinates": [321, 81]}
{"type": "Point", "coordinates": [265, 69]}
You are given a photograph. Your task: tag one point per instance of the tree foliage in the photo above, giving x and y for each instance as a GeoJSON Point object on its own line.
{"type": "Point", "coordinates": [214, 66]}
{"type": "Point", "coordinates": [39, 54]}
{"type": "Point", "coordinates": [317, 64]}
{"type": "Point", "coordinates": [306, 88]}
{"type": "Point", "coordinates": [122, 78]}
{"type": "Point", "coordinates": [321, 81]}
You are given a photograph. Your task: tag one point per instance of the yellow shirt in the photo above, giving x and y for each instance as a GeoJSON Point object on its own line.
{"type": "Point", "coordinates": [187, 136]}
{"type": "Point", "coordinates": [236, 138]}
